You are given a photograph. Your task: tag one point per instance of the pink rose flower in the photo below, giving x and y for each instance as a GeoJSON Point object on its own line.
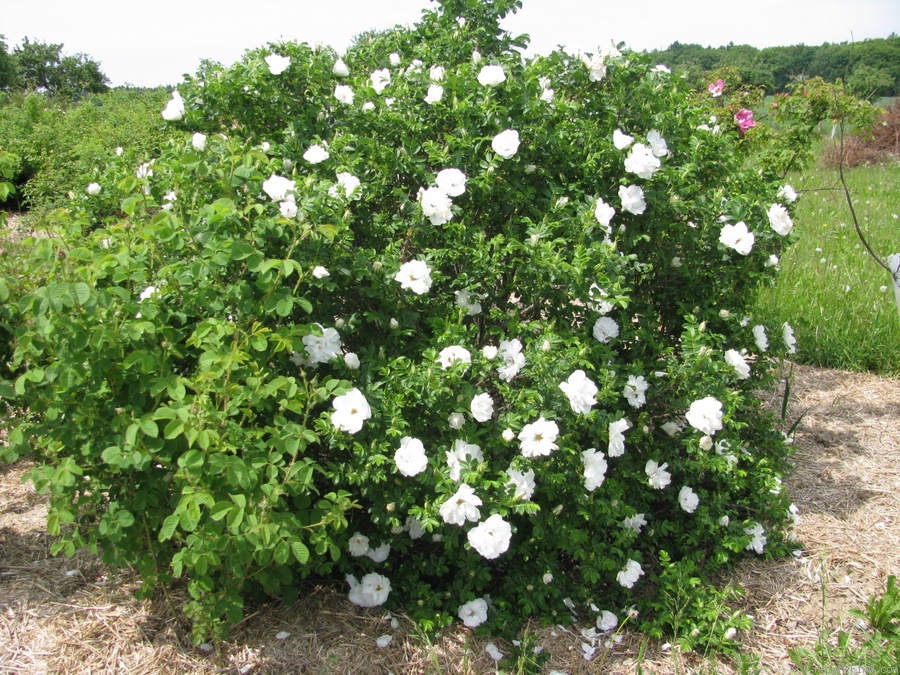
{"type": "Point", "coordinates": [744, 120]}
{"type": "Point", "coordinates": [716, 88]}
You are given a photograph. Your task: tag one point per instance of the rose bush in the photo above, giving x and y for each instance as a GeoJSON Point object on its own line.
{"type": "Point", "coordinates": [470, 349]}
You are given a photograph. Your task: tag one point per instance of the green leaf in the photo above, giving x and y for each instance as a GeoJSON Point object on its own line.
{"type": "Point", "coordinates": [284, 305]}
{"type": "Point", "coordinates": [167, 531]}
{"type": "Point", "coordinates": [173, 429]}
{"type": "Point", "coordinates": [220, 510]}
{"type": "Point", "coordinates": [301, 553]}
{"type": "Point", "coordinates": [112, 455]}
{"type": "Point", "coordinates": [82, 292]}
{"type": "Point", "coordinates": [148, 426]}
{"type": "Point", "coordinates": [192, 459]}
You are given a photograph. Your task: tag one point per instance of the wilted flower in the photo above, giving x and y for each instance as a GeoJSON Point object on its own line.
{"type": "Point", "coordinates": [737, 237]}
{"type": "Point", "coordinates": [277, 64]}
{"type": "Point", "coordinates": [491, 76]}
{"type": "Point", "coordinates": [607, 621]}
{"type": "Point", "coordinates": [506, 143]}
{"type": "Point", "coordinates": [350, 411]}
{"type": "Point", "coordinates": [491, 537]}
{"type": "Point", "coordinates": [414, 275]}
{"type": "Point", "coordinates": [538, 438]}
{"type": "Point", "coordinates": [493, 651]}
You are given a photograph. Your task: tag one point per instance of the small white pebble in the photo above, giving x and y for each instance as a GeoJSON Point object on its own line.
{"type": "Point", "coordinates": [384, 640]}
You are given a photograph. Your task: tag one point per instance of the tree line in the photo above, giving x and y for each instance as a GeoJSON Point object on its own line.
{"type": "Point", "coordinates": [42, 67]}
{"type": "Point", "coordinates": [870, 69]}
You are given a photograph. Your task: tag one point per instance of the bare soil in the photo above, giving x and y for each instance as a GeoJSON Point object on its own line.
{"type": "Point", "coordinates": [65, 615]}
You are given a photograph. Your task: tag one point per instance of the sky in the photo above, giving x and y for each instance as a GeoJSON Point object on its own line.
{"type": "Point", "coordinates": [150, 43]}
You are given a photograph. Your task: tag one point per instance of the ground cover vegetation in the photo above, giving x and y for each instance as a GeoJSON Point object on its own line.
{"type": "Point", "coordinates": [500, 365]}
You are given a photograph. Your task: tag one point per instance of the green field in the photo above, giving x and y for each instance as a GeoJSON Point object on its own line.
{"type": "Point", "coordinates": [837, 297]}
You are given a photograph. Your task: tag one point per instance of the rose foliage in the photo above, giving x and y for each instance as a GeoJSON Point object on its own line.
{"type": "Point", "coordinates": [469, 348]}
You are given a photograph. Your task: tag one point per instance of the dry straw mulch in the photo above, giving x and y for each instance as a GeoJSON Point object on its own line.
{"type": "Point", "coordinates": [61, 615]}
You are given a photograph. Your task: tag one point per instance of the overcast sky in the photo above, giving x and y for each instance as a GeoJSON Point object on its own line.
{"type": "Point", "coordinates": [156, 42]}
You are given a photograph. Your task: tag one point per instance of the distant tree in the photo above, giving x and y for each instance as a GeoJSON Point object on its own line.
{"type": "Point", "coordinates": [7, 66]}
{"type": "Point", "coordinates": [42, 67]}
{"type": "Point", "coordinates": [868, 82]}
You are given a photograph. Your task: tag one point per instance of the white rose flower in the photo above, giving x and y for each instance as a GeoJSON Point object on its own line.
{"type": "Point", "coordinates": [617, 431]}
{"type": "Point", "coordinates": [522, 483]}
{"type": "Point", "coordinates": [93, 189]}
{"type": "Point", "coordinates": [641, 161]}
{"type": "Point", "coordinates": [453, 354]}
{"type": "Point", "coordinates": [368, 106]}
{"type": "Point", "coordinates": [630, 574]}
{"type": "Point", "coordinates": [607, 621]}
{"type": "Point", "coordinates": [688, 499]}
{"type": "Point", "coordinates": [489, 352]}
{"type": "Point", "coordinates": [358, 545]}
{"type": "Point", "coordinates": [350, 411]}
{"type": "Point", "coordinates": [414, 275]}
{"type": "Point", "coordinates": [451, 181]}
{"type": "Point", "coordinates": [435, 204]}
{"type": "Point", "coordinates": [594, 469]}
{"type": "Point", "coordinates": [351, 360]}
{"type": "Point", "coordinates": [758, 541]}
{"type": "Point", "coordinates": [491, 537]}
{"type": "Point", "coordinates": [320, 272]}
{"type": "Point", "coordinates": [705, 415]}
{"type": "Point", "coordinates": [461, 506]}
{"type": "Point", "coordinates": [288, 208]}
{"type": "Point", "coordinates": [508, 435]}
{"type": "Point", "coordinates": [734, 359]}
{"type": "Point", "coordinates": [371, 591]}
{"type": "Point", "coordinates": [277, 64]}
{"type": "Point", "coordinates": [315, 154]}
{"type": "Point", "coordinates": [491, 76]}
{"type": "Point", "coordinates": [469, 302]}
{"type": "Point", "coordinates": [322, 348]}
{"type": "Point", "coordinates": [434, 94]}
{"type": "Point", "coordinates": [278, 187]}
{"type": "Point", "coordinates": [347, 184]}
{"type": "Point", "coordinates": [657, 475]}
{"type": "Point", "coordinates": [634, 390]}
{"type": "Point", "coordinates": [474, 612]}
{"type": "Point", "coordinates": [410, 457]}
{"type": "Point", "coordinates": [759, 335]}
{"type": "Point", "coordinates": [737, 237]}
{"type": "Point", "coordinates": [513, 359]}
{"type": "Point", "coordinates": [780, 219]}
{"type": "Point", "coordinates": [605, 329]}
{"type": "Point", "coordinates": [787, 334]}
{"type": "Point", "coordinates": [456, 420]}
{"type": "Point", "coordinates": [379, 554]}
{"type": "Point", "coordinates": [436, 73]}
{"type": "Point", "coordinates": [621, 140]}
{"type": "Point", "coordinates": [787, 193]}
{"type": "Point", "coordinates": [506, 143]}
{"type": "Point", "coordinates": [604, 213]}
{"type": "Point", "coordinates": [343, 94]}
{"type": "Point", "coordinates": [340, 68]}
{"type": "Point", "coordinates": [380, 79]}
{"type": "Point", "coordinates": [657, 143]}
{"type": "Point", "coordinates": [482, 407]}
{"type": "Point", "coordinates": [462, 452]}
{"type": "Point", "coordinates": [174, 110]}
{"type": "Point", "coordinates": [538, 438]}
{"type": "Point", "coordinates": [632, 197]}
{"type": "Point", "coordinates": [580, 391]}
{"type": "Point", "coordinates": [394, 59]}
{"type": "Point", "coordinates": [635, 522]}
{"type": "Point", "coordinates": [414, 526]}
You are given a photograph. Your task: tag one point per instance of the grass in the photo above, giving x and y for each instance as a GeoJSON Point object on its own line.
{"type": "Point", "coordinates": [838, 299]}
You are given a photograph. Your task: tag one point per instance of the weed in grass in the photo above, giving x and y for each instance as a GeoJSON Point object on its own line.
{"type": "Point", "coordinates": [838, 299]}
